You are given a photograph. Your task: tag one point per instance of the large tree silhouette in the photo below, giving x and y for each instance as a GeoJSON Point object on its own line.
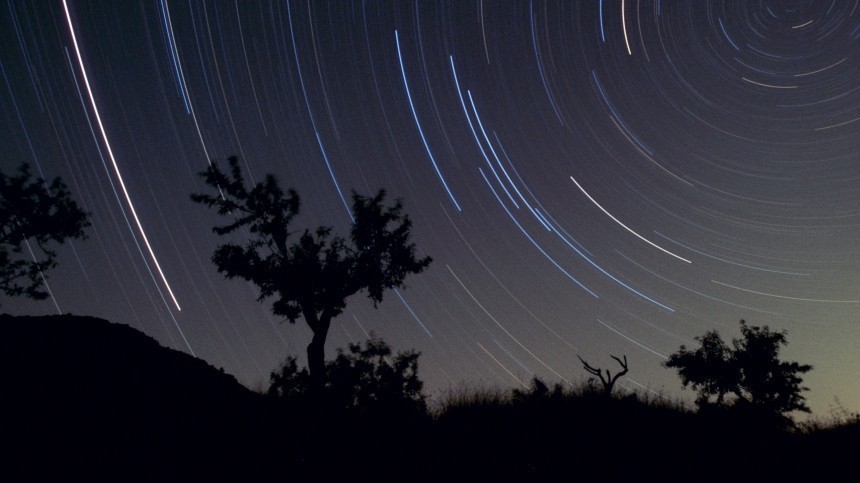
{"type": "Point", "coordinates": [747, 375]}
{"type": "Point", "coordinates": [310, 274]}
{"type": "Point", "coordinates": [33, 216]}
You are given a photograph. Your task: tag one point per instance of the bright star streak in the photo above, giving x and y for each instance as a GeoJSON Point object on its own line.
{"type": "Point", "coordinates": [119, 200]}
{"type": "Point", "coordinates": [478, 141]}
{"type": "Point", "coordinates": [311, 115]}
{"type": "Point", "coordinates": [184, 90]}
{"type": "Point", "coordinates": [412, 312]}
{"type": "Point", "coordinates": [688, 289]}
{"type": "Point", "coordinates": [771, 86]}
{"type": "Point", "coordinates": [617, 117]}
{"type": "Point", "coordinates": [112, 158]}
{"type": "Point", "coordinates": [563, 235]}
{"type": "Point", "coordinates": [723, 28]}
{"type": "Point", "coordinates": [600, 9]}
{"type": "Point", "coordinates": [493, 152]}
{"type": "Point", "coordinates": [729, 261]}
{"type": "Point", "coordinates": [616, 220]}
{"type": "Point", "coordinates": [624, 28]}
{"type": "Point", "coordinates": [545, 222]}
{"type": "Point", "coordinates": [545, 254]}
{"type": "Point", "coordinates": [614, 278]}
{"type": "Point", "coordinates": [42, 276]}
{"type": "Point", "coordinates": [418, 123]}
{"type": "Point", "coordinates": [172, 48]}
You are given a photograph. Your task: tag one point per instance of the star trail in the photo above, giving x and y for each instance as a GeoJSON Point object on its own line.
{"type": "Point", "coordinates": [594, 177]}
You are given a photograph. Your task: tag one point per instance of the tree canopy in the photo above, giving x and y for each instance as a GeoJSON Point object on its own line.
{"type": "Point", "coordinates": [746, 374]}
{"type": "Point", "coordinates": [310, 273]}
{"type": "Point", "coordinates": [34, 215]}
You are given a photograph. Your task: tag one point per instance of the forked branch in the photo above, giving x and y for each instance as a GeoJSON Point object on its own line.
{"type": "Point", "coordinates": [609, 380]}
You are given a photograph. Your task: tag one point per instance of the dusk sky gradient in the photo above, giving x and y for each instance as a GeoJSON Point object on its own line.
{"type": "Point", "coordinates": [590, 177]}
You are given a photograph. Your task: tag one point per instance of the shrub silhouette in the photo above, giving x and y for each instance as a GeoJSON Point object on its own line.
{"type": "Point", "coordinates": [32, 210]}
{"type": "Point", "coordinates": [748, 376]}
{"type": "Point", "coordinates": [87, 400]}
{"type": "Point", "coordinates": [537, 391]}
{"type": "Point", "coordinates": [362, 378]}
{"type": "Point", "coordinates": [313, 276]}
{"type": "Point", "coordinates": [368, 416]}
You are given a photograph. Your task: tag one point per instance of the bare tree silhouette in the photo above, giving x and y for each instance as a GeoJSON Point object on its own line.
{"type": "Point", "coordinates": [608, 381]}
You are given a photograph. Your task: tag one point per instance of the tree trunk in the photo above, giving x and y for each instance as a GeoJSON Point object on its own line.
{"type": "Point", "coordinates": [316, 359]}
{"type": "Point", "coordinates": [316, 350]}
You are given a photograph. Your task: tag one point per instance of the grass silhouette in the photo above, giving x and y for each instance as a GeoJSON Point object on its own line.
{"type": "Point", "coordinates": [85, 399]}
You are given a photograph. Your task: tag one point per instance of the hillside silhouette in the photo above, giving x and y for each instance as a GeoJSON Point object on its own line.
{"type": "Point", "coordinates": [84, 399]}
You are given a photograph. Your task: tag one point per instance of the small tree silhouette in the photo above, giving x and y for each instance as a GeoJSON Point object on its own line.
{"type": "Point", "coordinates": [313, 276]}
{"type": "Point", "coordinates": [608, 381]}
{"type": "Point", "coordinates": [749, 371]}
{"type": "Point", "coordinates": [33, 211]}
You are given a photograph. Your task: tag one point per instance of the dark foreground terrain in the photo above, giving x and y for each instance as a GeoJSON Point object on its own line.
{"type": "Point", "coordinates": [83, 399]}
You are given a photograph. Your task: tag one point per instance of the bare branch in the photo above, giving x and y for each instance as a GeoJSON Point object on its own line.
{"type": "Point", "coordinates": [623, 364]}
{"type": "Point", "coordinates": [608, 381]}
{"type": "Point", "coordinates": [588, 368]}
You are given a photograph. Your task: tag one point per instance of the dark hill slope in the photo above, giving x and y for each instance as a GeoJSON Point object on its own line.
{"type": "Point", "coordinates": [85, 398]}
{"type": "Point", "coordinates": [82, 399]}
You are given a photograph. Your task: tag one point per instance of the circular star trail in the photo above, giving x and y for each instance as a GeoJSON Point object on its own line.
{"type": "Point", "coordinates": [592, 178]}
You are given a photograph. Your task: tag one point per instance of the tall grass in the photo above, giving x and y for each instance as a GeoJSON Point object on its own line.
{"type": "Point", "coordinates": [476, 398]}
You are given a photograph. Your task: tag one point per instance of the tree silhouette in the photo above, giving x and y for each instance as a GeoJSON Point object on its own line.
{"type": "Point", "coordinates": [33, 216]}
{"type": "Point", "coordinates": [312, 276]}
{"type": "Point", "coordinates": [609, 381]}
{"type": "Point", "coordinates": [364, 377]}
{"type": "Point", "coordinates": [749, 371]}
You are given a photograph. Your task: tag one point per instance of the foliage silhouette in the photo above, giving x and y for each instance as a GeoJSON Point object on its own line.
{"type": "Point", "coordinates": [84, 399]}
{"type": "Point", "coordinates": [555, 432]}
{"type": "Point", "coordinates": [33, 210]}
{"type": "Point", "coordinates": [371, 399]}
{"type": "Point", "coordinates": [362, 378]}
{"type": "Point", "coordinates": [749, 372]}
{"type": "Point", "coordinates": [313, 276]}
{"type": "Point", "coordinates": [538, 390]}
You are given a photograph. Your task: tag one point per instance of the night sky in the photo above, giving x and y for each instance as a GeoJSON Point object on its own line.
{"type": "Point", "coordinates": [590, 177]}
